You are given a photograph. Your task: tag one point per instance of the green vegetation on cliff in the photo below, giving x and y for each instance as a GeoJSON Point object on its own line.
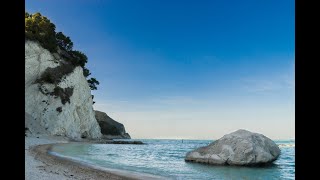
{"type": "Point", "coordinates": [39, 28]}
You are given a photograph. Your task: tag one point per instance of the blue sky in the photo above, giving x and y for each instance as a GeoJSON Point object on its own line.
{"type": "Point", "coordinates": [186, 69]}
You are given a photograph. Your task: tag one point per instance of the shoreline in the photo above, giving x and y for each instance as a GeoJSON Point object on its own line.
{"type": "Point", "coordinates": [41, 163]}
{"type": "Point", "coordinates": [49, 166]}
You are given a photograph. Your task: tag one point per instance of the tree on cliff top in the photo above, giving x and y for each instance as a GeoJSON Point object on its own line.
{"type": "Point", "coordinates": [64, 42]}
{"type": "Point", "coordinates": [39, 28]}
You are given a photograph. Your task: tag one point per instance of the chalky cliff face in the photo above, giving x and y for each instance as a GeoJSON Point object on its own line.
{"type": "Point", "coordinates": [68, 114]}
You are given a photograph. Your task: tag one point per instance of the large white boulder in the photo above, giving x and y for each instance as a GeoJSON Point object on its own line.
{"type": "Point", "coordinates": [75, 118]}
{"type": "Point", "coordinates": [241, 147]}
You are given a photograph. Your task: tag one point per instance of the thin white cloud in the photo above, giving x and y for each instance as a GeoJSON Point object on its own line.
{"type": "Point", "coordinates": [270, 84]}
{"type": "Point", "coordinates": [261, 85]}
{"type": "Point", "coordinates": [177, 100]}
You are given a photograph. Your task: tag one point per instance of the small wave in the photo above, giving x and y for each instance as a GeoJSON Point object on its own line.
{"type": "Point", "coordinates": [286, 145]}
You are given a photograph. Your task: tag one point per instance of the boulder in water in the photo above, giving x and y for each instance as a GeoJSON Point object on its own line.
{"type": "Point", "coordinates": [241, 147]}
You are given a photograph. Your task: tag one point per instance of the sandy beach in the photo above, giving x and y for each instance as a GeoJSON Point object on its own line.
{"type": "Point", "coordinates": [39, 165]}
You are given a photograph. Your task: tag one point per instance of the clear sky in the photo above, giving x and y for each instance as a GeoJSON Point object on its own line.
{"type": "Point", "coordinates": [193, 69]}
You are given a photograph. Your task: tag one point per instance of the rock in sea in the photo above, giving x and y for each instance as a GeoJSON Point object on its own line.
{"type": "Point", "coordinates": [241, 147]}
{"type": "Point", "coordinates": [110, 128]}
{"type": "Point", "coordinates": [123, 142]}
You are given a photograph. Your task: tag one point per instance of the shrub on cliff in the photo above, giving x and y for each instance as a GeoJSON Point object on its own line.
{"type": "Point", "coordinates": [39, 28]}
{"type": "Point", "coordinates": [64, 42]}
{"type": "Point", "coordinates": [56, 74]}
{"type": "Point", "coordinates": [63, 93]}
{"type": "Point", "coordinates": [86, 72]}
{"type": "Point", "coordinates": [93, 83]}
{"type": "Point", "coordinates": [79, 58]}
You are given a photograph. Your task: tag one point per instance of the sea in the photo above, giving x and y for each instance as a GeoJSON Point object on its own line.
{"type": "Point", "coordinates": [165, 158]}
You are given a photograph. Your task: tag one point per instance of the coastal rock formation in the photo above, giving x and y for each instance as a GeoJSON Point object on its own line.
{"type": "Point", "coordinates": [32, 125]}
{"type": "Point", "coordinates": [110, 128]}
{"type": "Point", "coordinates": [241, 147]}
{"type": "Point", "coordinates": [123, 142]}
{"type": "Point", "coordinates": [63, 107]}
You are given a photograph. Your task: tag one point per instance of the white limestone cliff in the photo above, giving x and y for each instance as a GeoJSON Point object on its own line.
{"type": "Point", "coordinates": [74, 119]}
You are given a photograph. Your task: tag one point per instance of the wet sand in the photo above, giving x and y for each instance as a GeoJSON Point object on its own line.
{"type": "Point", "coordinates": [40, 164]}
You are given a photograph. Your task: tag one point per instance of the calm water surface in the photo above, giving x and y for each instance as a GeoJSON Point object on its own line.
{"type": "Point", "coordinates": [166, 158]}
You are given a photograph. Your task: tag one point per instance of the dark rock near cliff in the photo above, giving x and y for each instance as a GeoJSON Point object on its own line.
{"type": "Point", "coordinates": [123, 142]}
{"type": "Point", "coordinates": [110, 128]}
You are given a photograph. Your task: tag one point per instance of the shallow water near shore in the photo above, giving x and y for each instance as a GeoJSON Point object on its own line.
{"type": "Point", "coordinates": [166, 158]}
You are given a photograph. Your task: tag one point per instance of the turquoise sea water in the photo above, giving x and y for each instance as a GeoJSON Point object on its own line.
{"type": "Point", "coordinates": [166, 158]}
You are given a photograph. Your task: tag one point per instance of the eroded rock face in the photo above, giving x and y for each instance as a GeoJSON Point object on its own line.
{"type": "Point", "coordinates": [32, 126]}
{"type": "Point", "coordinates": [73, 117]}
{"type": "Point", "coordinates": [110, 128]}
{"type": "Point", "coordinates": [241, 147]}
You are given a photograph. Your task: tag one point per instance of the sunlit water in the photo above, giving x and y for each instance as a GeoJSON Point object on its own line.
{"type": "Point", "coordinates": [166, 158]}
